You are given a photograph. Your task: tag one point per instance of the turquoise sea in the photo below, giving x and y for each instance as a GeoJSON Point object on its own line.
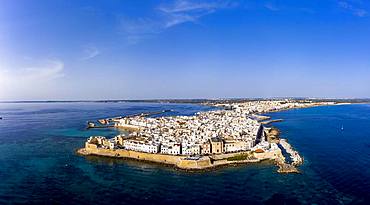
{"type": "Point", "coordinates": [38, 164]}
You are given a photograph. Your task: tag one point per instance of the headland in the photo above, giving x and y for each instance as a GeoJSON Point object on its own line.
{"type": "Point", "coordinates": [232, 134]}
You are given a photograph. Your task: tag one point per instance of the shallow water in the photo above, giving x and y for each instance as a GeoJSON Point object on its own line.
{"type": "Point", "coordinates": [38, 163]}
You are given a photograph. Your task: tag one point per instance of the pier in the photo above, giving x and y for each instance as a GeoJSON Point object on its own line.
{"type": "Point", "coordinates": [93, 125]}
{"type": "Point", "coordinates": [271, 121]}
{"type": "Point", "coordinates": [145, 114]}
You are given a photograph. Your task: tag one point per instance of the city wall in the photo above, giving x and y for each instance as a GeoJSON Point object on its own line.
{"type": "Point", "coordinates": [178, 161]}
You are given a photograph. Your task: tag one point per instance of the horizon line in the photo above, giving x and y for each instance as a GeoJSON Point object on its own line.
{"type": "Point", "coordinates": [183, 99]}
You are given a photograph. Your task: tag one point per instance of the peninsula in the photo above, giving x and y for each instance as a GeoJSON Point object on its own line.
{"type": "Point", "coordinates": [234, 133]}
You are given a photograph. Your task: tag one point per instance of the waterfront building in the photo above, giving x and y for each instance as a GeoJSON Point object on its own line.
{"type": "Point", "coordinates": [175, 149]}
{"type": "Point", "coordinates": [262, 146]}
{"type": "Point", "coordinates": [89, 145]}
{"type": "Point", "coordinates": [141, 145]}
{"type": "Point", "coordinates": [205, 148]}
{"type": "Point", "coordinates": [99, 142]}
{"type": "Point", "coordinates": [191, 150]}
{"type": "Point", "coordinates": [164, 149]}
{"type": "Point", "coordinates": [216, 145]}
{"type": "Point", "coordinates": [118, 140]}
{"type": "Point", "coordinates": [235, 146]}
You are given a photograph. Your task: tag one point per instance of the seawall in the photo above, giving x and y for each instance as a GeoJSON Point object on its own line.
{"type": "Point", "coordinates": [181, 162]}
{"type": "Point", "coordinates": [178, 161]}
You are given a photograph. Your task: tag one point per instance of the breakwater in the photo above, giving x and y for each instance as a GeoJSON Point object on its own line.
{"type": "Point", "coordinates": [294, 155]}
{"type": "Point", "coordinates": [270, 121]}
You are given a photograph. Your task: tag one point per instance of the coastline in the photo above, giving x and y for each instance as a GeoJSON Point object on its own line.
{"type": "Point", "coordinates": [183, 162]}
{"type": "Point", "coordinates": [212, 161]}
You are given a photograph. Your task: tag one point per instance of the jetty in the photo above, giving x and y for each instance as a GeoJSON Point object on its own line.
{"type": "Point", "coordinates": [271, 121]}
{"type": "Point", "coordinates": [144, 114]}
{"type": "Point", "coordinates": [93, 125]}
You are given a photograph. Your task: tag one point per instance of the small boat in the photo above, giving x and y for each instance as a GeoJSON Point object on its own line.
{"type": "Point", "coordinates": [342, 128]}
{"type": "Point", "coordinates": [90, 125]}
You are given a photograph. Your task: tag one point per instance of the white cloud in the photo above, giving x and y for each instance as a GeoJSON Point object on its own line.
{"type": "Point", "coordinates": [44, 71]}
{"type": "Point", "coordinates": [139, 26]}
{"type": "Point", "coordinates": [186, 6]}
{"type": "Point", "coordinates": [29, 81]}
{"type": "Point", "coordinates": [271, 7]}
{"type": "Point", "coordinates": [179, 19]}
{"type": "Point", "coordinates": [182, 11]}
{"type": "Point", "coordinates": [167, 16]}
{"type": "Point", "coordinates": [138, 29]}
{"type": "Point", "coordinates": [90, 52]}
{"type": "Point", "coordinates": [354, 10]}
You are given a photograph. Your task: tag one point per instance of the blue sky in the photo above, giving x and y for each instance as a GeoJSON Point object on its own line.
{"type": "Point", "coordinates": [85, 50]}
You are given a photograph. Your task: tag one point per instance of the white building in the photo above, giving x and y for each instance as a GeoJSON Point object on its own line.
{"type": "Point", "coordinates": [164, 149]}
{"type": "Point", "coordinates": [174, 149]}
{"type": "Point", "coordinates": [191, 150]}
{"type": "Point", "coordinates": [235, 146]}
{"type": "Point", "coordinates": [141, 146]}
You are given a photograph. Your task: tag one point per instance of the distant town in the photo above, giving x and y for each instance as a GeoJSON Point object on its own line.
{"type": "Point", "coordinates": [232, 133]}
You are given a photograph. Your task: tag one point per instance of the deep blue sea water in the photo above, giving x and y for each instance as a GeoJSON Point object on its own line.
{"type": "Point", "coordinates": [38, 164]}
